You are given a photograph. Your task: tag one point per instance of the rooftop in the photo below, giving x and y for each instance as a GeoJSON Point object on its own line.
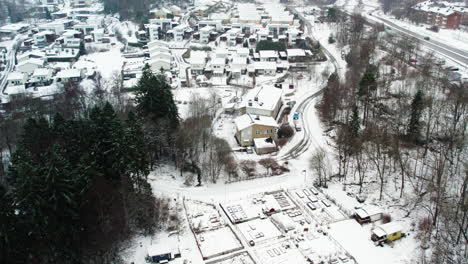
{"type": "Point", "coordinates": [267, 98]}
{"type": "Point", "coordinates": [244, 121]}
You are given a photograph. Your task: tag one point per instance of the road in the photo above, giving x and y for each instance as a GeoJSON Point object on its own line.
{"type": "Point", "coordinates": [10, 63]}
{"type": "Point", "coordinates": [442, 48]}
{"type": "Point", "coordinates": [307, 138]}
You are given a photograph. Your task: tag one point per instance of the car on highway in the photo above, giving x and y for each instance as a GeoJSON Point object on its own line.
{"type": "Point", "coordinates": [296, 116]}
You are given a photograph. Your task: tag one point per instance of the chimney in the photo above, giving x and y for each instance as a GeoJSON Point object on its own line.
{"type": "Point", "coordinates": [256, 98]}
{"type": "Point", "coordinates": [250, 102]}
{"type": "Point", "coordinates": [257, 117]}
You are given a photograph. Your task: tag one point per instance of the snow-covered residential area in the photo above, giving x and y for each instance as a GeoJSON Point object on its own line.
{"type": "Point", "coordinates": [234, 132]}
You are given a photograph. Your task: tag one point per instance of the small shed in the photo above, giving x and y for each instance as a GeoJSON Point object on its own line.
{"type": "Point", "coordinates": [367, 214]}
{"type": "Point", "coordinates": [284, 222]}
{"type": "Point", "coordinates": [387, 232]}
{"type": "Point", "coordinates": [264, 145]}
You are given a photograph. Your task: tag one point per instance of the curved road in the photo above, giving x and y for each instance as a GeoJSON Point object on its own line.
{"type": "Point", "coordinates": [307, 138]}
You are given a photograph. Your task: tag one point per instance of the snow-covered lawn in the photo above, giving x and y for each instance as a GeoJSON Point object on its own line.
{"type": "Point", "coordinates": [356, 240]}
{"type": "Point", "coordinates": [259, 230]}
{"type": "Point", "coordinates": [218, 242]}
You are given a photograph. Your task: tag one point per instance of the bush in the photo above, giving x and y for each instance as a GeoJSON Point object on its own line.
{"type": "Point", "coordinates": [285, 131]}
{"type": "Point", "coordinates": [270, 45]}
{"type": "Point", "coordinates": [425, 224]}
{"type": "Point", "coordinates": [249, 167]}
{"type": "Point", "coordinates": [386, 218]}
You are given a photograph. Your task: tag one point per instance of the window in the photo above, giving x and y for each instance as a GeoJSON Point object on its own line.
{"type": "Point", "coordinates": [266, 131]}
{"type": "Point", "coordinates": [257, 132]}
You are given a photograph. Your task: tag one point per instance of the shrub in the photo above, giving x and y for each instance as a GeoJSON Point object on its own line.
{"type": "Point", "coordinates": [425, 224]}
{"type": "Point", "coordinates": [249, 167]}
{"type": "Point", "coordinates": [386, 218]}
{"type": "Point", "coordinates": [285, 131]}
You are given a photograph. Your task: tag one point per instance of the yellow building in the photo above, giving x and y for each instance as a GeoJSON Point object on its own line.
{"type": "Point", "coordinates": [250, 127]}
{"type": "Point", "coordinates": [387, 232]}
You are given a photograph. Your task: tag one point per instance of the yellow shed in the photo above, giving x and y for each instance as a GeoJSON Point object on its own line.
{"type": "Point", "coordinates": [387, 232]}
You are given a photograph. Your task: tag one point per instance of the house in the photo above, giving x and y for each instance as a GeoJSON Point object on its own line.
{"type": "Point", "coordinates": [294, 35]}
{"type": "Point", "coordinates": [296, 55]}
{"type": "Point", "coordinates": [179, 32]}
{"type": "Point", "coordinates": [175, 10]}
{"type": "Point", "coordinates": [29, 65]}
{"type": "Point", "coordinates": [198, 62]}
{"type": "Point", "coordinates": [41, 39]}
{"type": "Point", "coordinates": [268, 55]}
{"type": "Point", "coordinates": [243, 52]}
{"type": "Point", "coordinates": [264, 101]}
{"type": "Point", "coordinates": [216, 24]}
{"type": "Point", "coordinates": [158, 64]}
{"type": "Point", "coordinates": [80, 3]}
{"type": "Point", "coordinates": [249, 127]}
{"type": "Point", "coordinates": [41, 77]}
{"type": "Point", "coordinates": [162, 253]}
{"type": "Point", "coordinates": [160, 55]}
{"type": "Point", "coordinates": [12, 30]}
{"type": "Point", "coordinates": [98, 34]}
{"type": "Point", "coordinates": [164, 23]}
{"type": "Point", "coordinates": [205, 34]}
{"type": "Point", "coordinates": [161, 13]}
{"type": "Point", "coordinates": [232, 36]}
{"type": "Point", "coordinates": [70, 75]}
{"type": "Point", "coordinates": [221, 53]}
{"type": "Point", "coordinates": [218, 65]}
{"type": "Point", "coordinates": [156, 49]}
{"type": "Point", "coordinates": [238, 66]}
{"type": "Point", "coordinates": [37, 54]}
{"type": "Point", "coordinates": [153, 31]}
{"type": "Point", "coordinates": [367, 214]}
{"type": "Point", "coordinates": [387, 232]}
{"type": "Point", "coordinates": [157, 44]}
{"type": "Point", "coordinates": [17, 78]}
{"type": "Point", "coordinates": [265, 67]}
{"type": "Point", "coordinates": [86, 28]}
{"type": "Point", "coordinates": [57, 27]}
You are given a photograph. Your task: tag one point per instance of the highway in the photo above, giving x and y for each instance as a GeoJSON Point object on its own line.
{"type": "Point", "coordinates": [455, 54]}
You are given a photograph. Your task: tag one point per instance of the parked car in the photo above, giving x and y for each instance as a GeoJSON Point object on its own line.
{"type": "Point", "coordinates": [296, 116]}
{"type": "Point", "coordinates": [278, 85]}
{"type": "Point", "coordinates": [427, 38]}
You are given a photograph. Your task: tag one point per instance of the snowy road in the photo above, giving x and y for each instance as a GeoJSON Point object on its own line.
{"type": "Point", "coordinates": [10, 65]}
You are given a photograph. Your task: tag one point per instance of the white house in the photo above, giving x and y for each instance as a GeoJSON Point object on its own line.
{"type": "Point", "coordinates": [179, 32]}
{"type": "Point", "coordinates": [268, 55]}
{"type": "Point", "coordinates": [175, 10]}
{"type": "Point", "coordinates": [57, 27]}
{"type": "Point", "coordinates": [98, 34]}
{"type": "Point", "coordinates": [218, 65]}
{"type": "Point", "coordinates": [264, 101]}
{"type": "Point", "coordinates": [216, 24]}
{"type": "Point", "coordinates": [161, 55]}
{"type": "Point", "coordinates": [17, 78]}
{"type": "Point", "coordinates": [37, 54]}
{"type": "Point", "coordinates": [205, 34]}
{"type": "Point", "coordinates": [28, 66]}
{"type": "Point", "coordinates": [221, 53]}
{"type": "Point", "coordinates": [238, 66]}
{"type": "Point", "coordinates": [368, 214]}
{"type": "Point", "coordinates": [158, 64]}
{"type": "Point", "coordinates": [40, 38]}
{"type": "Point", "coordinates": [197, 62]}
{"type": "Point", "coordinates": [232, 35]}
{"type": "Point", "coordinates": [156, 44]}
{"type": "Point", "coordinates": [153, 31]}
{"type": "Point", "coordinates": [243, 52]}
{"type": "Point", "coordinates": [70, 75]}
{"type": "Point", "coordinates": [265, 67]}
{"type": "Point", "coordinates": [42, 76]}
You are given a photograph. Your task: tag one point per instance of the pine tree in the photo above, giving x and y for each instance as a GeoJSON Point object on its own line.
{"type": "Point", "coordinates": [355, 123]}
{"type": "Point", "coordinates": [137, 162]}
{"type": "Point", "coordinates": [154, 98]}
{"type": "Point", "coordinates": [414, 126]}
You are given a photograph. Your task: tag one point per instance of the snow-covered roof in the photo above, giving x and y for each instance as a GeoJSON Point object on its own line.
{"type": "Point", "coordinates": [36, 53]}
{"type": "Point", "coordinates": [295, 52]}
{"type": "Point", "coordinates": [442, 8]}
{"type": "Point", "coordinates": [160, 54]}
{"type": "Point", "coordinates": [239, 61]}
{"type": "Point", "coordinates": [218, 61]}
{"type": "Point", "coordinates": [268, 54]}
{"type": "Point", "coordinates": [243, 51]}
{"type": "Point", "coordinates": [13, 27]}
{"type": "Point", "coordinates": [244, 121]}
{"type": "Point", "coordinates": [364, 212]}
{"type": "Point", "coordinates": [32, 61]}
{"type": "Point", "coordinates": [42, 72]}
{"type": "Point", "coordinates": [262, 143]}
{"type": "Point", "coordinates": [267, 98]}
{"type": "Point", "coordinates": [156, 43]}
{"type": "Point", "coordinates": [265, 65]}
{"type": "Point", "coordinates": [12, 76]}
{"type": "Point", "coordinates": [69, 73]}
{"type": "Point", "coordinates": [207, 29]}
{"type": "Point", "coordinates": [386, 229]}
